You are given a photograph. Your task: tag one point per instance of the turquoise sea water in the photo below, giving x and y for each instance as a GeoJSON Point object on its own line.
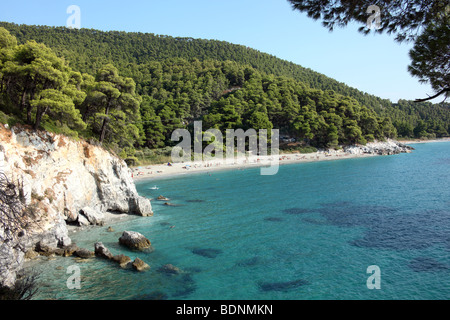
{"type": "Point", "coordinates": [309, 232]}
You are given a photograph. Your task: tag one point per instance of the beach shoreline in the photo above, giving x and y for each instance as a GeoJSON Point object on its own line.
{"type": "Point", "coordinates": [416, 141]}
{"type": "Point", "coordinates": [161, 171]}
{"type": "Point", "coordinates": [156, 172]}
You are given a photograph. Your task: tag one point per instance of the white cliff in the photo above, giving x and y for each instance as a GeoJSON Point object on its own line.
{"type": "Point", "coordinates": [63, 181]}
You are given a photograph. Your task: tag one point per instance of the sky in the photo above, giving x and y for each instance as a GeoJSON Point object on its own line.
{"type": "Point", "coordinates": [375, 64]}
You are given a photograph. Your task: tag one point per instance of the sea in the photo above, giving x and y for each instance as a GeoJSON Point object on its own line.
{"type": "Point", "coordinates": [375, 228]}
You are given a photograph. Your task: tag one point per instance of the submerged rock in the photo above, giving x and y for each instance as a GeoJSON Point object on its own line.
{"type": "Point", "coordinates": [273, 219]}
{"type": "Point", "coordinates": [156, 295]}
{"type": "Point", "coordinates": [424, 264]}
{"type": "Point", "coordinates": [170, 269]}
{"type": "Point", "coordinates": [207, 252]}
{"type": "Point", "coordinates": [135, 241]}
{"type": "Point", "coordinates": [282, 286]}
{"type": "Point", "coordinates": [250, 262]}
{"type": "Point", "coordinates": [295, 211]}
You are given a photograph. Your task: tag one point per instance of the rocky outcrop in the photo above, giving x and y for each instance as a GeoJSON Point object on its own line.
{"type": "Point", "coordinates": [135, 241]}
{"type": "Point", "coordinates": [388, 147]}
{"type": "Point", "coordinates": [84, 253]}
{"type": "Point", "coordinates": [102, 252]}
{"type": "Point", "coordinates": [124, 261]}
{"type": "Point", "coordinates": [140, 265]}
{"type": "Point", "coordinates": [63, 181]}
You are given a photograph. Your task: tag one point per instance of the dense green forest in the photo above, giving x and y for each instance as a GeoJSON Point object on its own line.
{"type": "Point", "coordinates": [87, 50]}
{"type": "Point", "coordinates": [131, 90]}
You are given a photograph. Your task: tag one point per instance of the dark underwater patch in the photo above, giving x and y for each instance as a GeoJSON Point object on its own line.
{"type": "Point", "coordinates": [283, 286]}
{"type": "Point", "coordinates": [193, 269]}
{"type": "Point", "coordinates": [296, 211]}
{"type": "Point", "coordinates": [185, 286]}
{"type": "Point", "coordinates": [195, 201]}
{"type": "Point", "coordinates": [250, 262]}
{"type": "Point", "coordinates": [156, 295]}
{"type": "Point", "coordinates": [207, 252]}
{"type": "Point", "coordinates": [389, 228]}
{"type": "Point", "coordinates": [273, 219]}
{"type": "Point", "coordinates": [314, 221]}
{"type": "Point", "coordinates": [424, 264]}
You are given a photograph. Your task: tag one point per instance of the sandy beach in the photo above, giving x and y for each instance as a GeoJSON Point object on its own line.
{"type": "Point", "coordinates": [372, 149]}
{"type": "Point", "coordinates": [175, 169]}
{"type": "Point", "coordinates": [414, 141]}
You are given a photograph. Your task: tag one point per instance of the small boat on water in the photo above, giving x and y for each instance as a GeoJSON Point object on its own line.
{"type": "Point", "coordinates": [154, 188]}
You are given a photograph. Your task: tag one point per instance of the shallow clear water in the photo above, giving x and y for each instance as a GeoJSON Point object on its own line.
{"type": "Point", "coordinates": [309, 232]}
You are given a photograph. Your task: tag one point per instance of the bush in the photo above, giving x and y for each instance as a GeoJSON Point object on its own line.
{"type": "Point", "coordinates": [132, 161]}
{"type": "Point", "coordinates": [148, 156]}
{"type": "Point", "coordinates": [3, 117]}
{"type": "Point", "coordinates": [24, 289]}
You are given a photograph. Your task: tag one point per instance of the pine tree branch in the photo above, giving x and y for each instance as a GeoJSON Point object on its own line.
{"type": "Point", "coordinates": [433, 97]}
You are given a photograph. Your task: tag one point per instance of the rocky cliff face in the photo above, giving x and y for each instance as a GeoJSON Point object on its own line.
{"type": "Point", "coordinates": [63, 181]}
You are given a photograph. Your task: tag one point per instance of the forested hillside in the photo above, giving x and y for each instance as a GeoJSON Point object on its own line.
{"type": "Point", "coordinates": [87, 50]}
{"type": "Point", "coordinates": [131, 90]}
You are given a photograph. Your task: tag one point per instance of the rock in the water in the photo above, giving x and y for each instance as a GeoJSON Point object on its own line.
{"type": "Point", "coordinates": [142, 207]}
{"type": "Point", "coordinates": [122, 260]}
{"type": "Point", "coordinates": [69, 250]}
{"type": "Point", "coordinates": [424, 264]}
{"type": "Point", "coordinates": [84, 253]}
{"type": "Point", "coordinates": [140, 265]}
{"type": "Point", "coordinates": [102, 251]}
{"type": "Point", "coordinates": [66, 251]}
{"type": "Point", "coordinates": [162, 198]}
{"type": "Point", "coordinates": [134, 240]}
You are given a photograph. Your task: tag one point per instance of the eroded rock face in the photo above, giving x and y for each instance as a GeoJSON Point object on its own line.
{"type": "Point", "coordinates": [66, 181]}
{"type": "Point", "coordinates": [67, 177]}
